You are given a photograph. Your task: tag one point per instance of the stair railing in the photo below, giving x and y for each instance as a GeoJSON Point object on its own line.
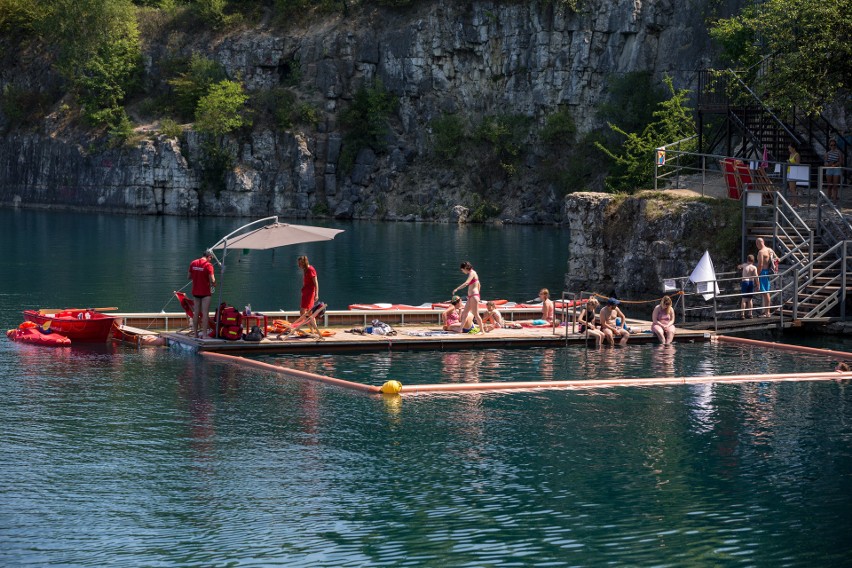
{"type": "Point", "coordinates": [799, 243]}
{"type": "Point", "coordinates": [765, 108]}
{"type": "Point", "coordinates": [831, 225]}
{"type": "Point", "coordinates": [834, 287]}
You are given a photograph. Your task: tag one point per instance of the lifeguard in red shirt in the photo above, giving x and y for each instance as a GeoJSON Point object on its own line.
{"type": "Point", "coordinates": [310, 285]}
{"type": "Point", "coordinates": [203, 280]}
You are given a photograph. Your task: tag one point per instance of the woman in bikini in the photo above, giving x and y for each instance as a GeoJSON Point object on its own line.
{"type": "Point", "coordinates": [663, 320]}
{"type": "Point", "coordinates": [473, 287]}
{"type": "Point", "coordinates": [587, 322]}
{"type": "Point", "coordinates": [453, 320]}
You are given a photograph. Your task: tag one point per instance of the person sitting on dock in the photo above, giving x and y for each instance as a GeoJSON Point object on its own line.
{"type": "Point", "coordinates": [492, 319]}
{"type": "Point", "coordinates": [547, 308]}
{"type": "Point", "coordinates": [663, 320]}
{"type": "Point", "coordinates": [451, 317]}
{"type": "Point", "coordinates": [612, 320]}
{"type": "Point", "coordinates": [587, 322]}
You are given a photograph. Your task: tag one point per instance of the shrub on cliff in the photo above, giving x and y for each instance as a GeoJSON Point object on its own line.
{"type": "Point", "coordinates": [193, 83]}
{"type": "Point", "coordinates": [98, 52]}
{"type": "Point", "coordinates": [222, 109]}
{"type": "Point", "coordinates": [448, 135]}
{"type": "Point", "coordinates": [365, 122]}
{"type": "Point", "coordinates": [504, 137]}
{"type": "Point", "coordinates": [634, 165]}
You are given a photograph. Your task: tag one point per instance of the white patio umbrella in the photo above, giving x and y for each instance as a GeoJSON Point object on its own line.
{"type": "Point", "coordinates": [268, 233]}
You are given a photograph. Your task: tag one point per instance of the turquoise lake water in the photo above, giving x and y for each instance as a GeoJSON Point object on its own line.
{"type": "Point", "coordinates": [112, 456]}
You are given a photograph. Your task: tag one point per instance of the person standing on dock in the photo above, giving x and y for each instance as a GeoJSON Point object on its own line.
{"type": "Point", "coordinates": [473, 287]}
{"type": "Point", "coordinates": [310, 285]}
{"type": "Point", "coordinates": [748, 284]}
{"type": "Point", "coordinates": [794, 159]}
{"type": "Point", "coordinates": [201, 274]}
{"type": "Point", "coordinates": [765, 261]}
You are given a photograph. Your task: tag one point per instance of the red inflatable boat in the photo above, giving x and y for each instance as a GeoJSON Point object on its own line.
{"type": "Point", "coordinates": [87, 326]}
{"type": "Point", "coordinates": [28, 332]}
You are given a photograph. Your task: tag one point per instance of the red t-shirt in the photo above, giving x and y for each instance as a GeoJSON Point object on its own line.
{"type": "Point", "coordinates": [309, 289]}
{"type": "Point", "coordinates": [200, 271]}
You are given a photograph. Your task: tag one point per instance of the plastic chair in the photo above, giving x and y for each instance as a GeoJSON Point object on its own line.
{"type": "Point", "coordinates": [189, 308]}
{"type": "Point", "coordinates": [731, 180]}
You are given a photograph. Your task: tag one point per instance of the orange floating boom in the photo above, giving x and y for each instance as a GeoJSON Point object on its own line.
{"type": "Point", "coordinates": [533, 385]}
{"type": "Point", "coordinates": [292, 372]}
{"type": "Point", "coordinates": [829, 353]}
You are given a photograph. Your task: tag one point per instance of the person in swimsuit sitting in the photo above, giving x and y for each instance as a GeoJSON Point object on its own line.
{"type": "Point", "coordinates": [663, 320]}
{"type": "Point", "coordinates": [452, 318]}
{"type": "Point", "coordinates": [610, 324]}
{"type": "Point", "coordinates": [473, 287]}
{"type": "Point", "coordinates": [547, 307]}
{"type": "Point", "coordinates": [587, 322]}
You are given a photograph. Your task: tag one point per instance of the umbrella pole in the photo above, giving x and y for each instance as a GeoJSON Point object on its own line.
{"type": "Point", "coordinates": [222, 285]}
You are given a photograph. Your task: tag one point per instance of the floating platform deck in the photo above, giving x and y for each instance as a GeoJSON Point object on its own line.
{"type": "Point", "coordinates": [409, 338]}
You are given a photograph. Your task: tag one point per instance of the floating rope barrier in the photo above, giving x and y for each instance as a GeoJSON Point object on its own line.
{"type": "Point", "coordinates": [654, 301]}
{"type": "Point", "coordinates": [395, 387]}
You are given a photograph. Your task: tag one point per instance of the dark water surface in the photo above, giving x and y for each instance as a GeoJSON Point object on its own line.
{"type": "Point", "coordinates": [111, 456]}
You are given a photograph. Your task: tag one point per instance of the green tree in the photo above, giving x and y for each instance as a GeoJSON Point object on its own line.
{"type": "Point", "coordinates": [365, 121]}
{"type": "Point", "coordinates": [193, 83]}
{"type": "Point", "coordinates": [97, 51]}
{"type": "Point", "coordinates": [506, 136]}
{"type": "Point", "coordinates": [809, 42]}
{"type": "Point", "coordinates": [634, 165]}
{"type": "Point", "coordinates": [448, 135]}
{"type": "Point", "coordinates": [222, 109]}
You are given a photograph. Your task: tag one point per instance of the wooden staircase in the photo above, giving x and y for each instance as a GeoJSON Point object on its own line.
{"type": "Point", "coordinates": [814, 253]}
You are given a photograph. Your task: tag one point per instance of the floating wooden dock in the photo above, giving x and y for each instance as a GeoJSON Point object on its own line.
{"type": "Point", "coordinates": [410, 338]}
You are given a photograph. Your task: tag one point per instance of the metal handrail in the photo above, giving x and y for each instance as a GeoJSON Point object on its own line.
{"type": "Point", "coordinates": [824, 202]}
{"type": "Point", "coordinates": [766, 108]}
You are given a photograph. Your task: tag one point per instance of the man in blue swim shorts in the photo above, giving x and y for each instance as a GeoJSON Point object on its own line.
{"type": "Point", "coordinates": [764, 267]}
{"type": "Point", "coordinates": [747, 286]}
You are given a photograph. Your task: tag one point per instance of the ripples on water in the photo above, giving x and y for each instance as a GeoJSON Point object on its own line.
{"type": "Point", "coordinates": [123, 457]}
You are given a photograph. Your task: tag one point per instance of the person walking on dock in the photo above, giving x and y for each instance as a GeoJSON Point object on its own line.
{"type": "Point", "coordinates": [310, 285]}
{"type": "Point", "coordinates": [473, 296]}
{"type": "Point", "coordinates": [201, 274]}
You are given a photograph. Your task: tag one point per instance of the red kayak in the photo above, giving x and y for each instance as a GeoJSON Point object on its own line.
{"type": "Point", "coordinates": [28, 332]}
{"type": "Point", "coordinates": [482, 305]}
{"type": "Point", "coordinates": [86, 326]}
{"type": "Point", "coordinates": [381, 306]}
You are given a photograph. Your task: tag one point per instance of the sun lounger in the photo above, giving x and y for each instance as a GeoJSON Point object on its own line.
{"type": "Point", "coordinates": [731, 180]}
{"type": "Point", "coordinates": [189, 308]}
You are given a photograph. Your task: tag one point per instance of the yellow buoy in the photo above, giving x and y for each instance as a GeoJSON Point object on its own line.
{"type": "Point", "coordinates": [391, 387]}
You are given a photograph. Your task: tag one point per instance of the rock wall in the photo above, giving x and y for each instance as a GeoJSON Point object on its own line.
{"type": "Point", "coordinates": [469, 58]}
{"type": "Point", "coordinates": [628, 246]}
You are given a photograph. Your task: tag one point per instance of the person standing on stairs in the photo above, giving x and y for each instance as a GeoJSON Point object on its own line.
{"type": "Point", "coordinates": [765, 265]}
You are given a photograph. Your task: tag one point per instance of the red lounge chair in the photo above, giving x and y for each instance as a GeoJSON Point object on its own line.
{"type": "Point", "coordinates": [731, 180]}
{"type": "Point", "coordinates": [189, 308]}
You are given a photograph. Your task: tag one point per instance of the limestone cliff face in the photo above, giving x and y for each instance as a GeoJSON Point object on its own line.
{"type": "Point", "coordinates": [629, 245]}
{"type": "Point", "coordinates": [469, 58]}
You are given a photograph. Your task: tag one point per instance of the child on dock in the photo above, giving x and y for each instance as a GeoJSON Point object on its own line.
{"type": "Point", "coordinates": [747, 286]}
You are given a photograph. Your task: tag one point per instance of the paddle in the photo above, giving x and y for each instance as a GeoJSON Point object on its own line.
{"type": "Point", "coordinates": [47, 311]}
{"type": "Point", "coordinates": [46, 325]}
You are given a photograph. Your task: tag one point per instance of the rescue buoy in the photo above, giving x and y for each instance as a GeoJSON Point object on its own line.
{"type": "Point", "coordinates": [391, 387]}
